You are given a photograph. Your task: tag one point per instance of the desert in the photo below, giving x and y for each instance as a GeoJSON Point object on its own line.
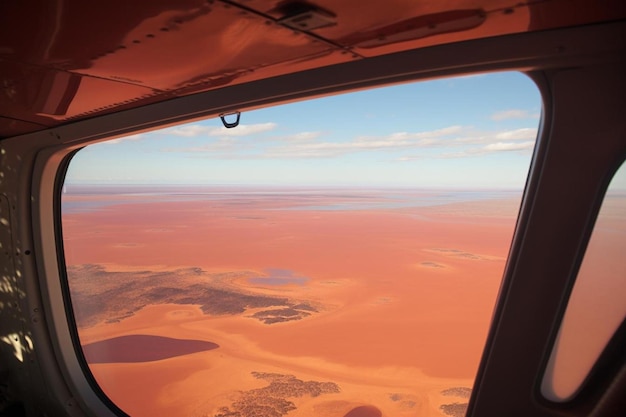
{"type": "Point", "coordinates": [342, 303]}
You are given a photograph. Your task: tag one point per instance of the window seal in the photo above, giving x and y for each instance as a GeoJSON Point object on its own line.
{"type": "Point", "coordinates": [65, 289]}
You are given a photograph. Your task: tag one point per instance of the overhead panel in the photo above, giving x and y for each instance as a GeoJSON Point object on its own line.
{"type": "Point", "coordinates": [212, 45]}
{"type": "Point", "coordinates": [64, 60]}
{"type": "Point", "coordinates": [370, 30]}
{"type": "Point", "coordinates": [88, 58]}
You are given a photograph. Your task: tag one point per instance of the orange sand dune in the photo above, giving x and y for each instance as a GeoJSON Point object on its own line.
{"type": "Point", "coordinates": [406, 295]}
{"type": "Point", "coordinates": [365, 263]}
{"type": "Point", "coordinates": [364, 411]}
{"type": "Point", "coordinates": [204, 381]}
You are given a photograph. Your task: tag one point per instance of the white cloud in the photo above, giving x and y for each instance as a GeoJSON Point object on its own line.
{"type": "Point", "coordinates": [513, 114]}
{"type": "Point", "coordinates": [393, 141]}
{"type": "Point", "coordinates": [490, 148]}
{"type": "Point", "coordinates": [448, 142]}
{"type": "Point", "coordinates": [510, 146]}
{"type": "Point", "coordinates": [409, 158]}
{"type": "Point", "coordinates": [242, 130]}
{"type": "Point", "coordinates": [122, 139]}
{"type": "Point", "coordinates": [216, 147]}
{"type": "Point", "coordinates": [518, 134]}
{"type": "Point", "coordinates": [186, 131]}
{"type": "Point", "coordinates": [199, 130]}
{"type": "Point", "coordinates": [473, 145]}
{"type": "Point", "coordinates": [427, 137]}
{"type": "Point", "coordinates": [306, 145]}
{"type": "Point", "coordinates": [301, 137]}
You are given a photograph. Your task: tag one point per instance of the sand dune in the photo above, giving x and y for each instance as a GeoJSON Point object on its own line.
{"type": "Point", "coordinates": [388, 305]}
{"type": "Point", "coordinates": [364, 411]}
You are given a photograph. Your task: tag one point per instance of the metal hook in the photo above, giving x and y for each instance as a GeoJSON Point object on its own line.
{"type": "Point", "coordinates": [230, 125]}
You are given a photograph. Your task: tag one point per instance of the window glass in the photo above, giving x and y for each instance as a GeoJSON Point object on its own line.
{"type": "Point", "coordinates": [336, 257]}
{"type": "Point", "coordinates": [596, 306]}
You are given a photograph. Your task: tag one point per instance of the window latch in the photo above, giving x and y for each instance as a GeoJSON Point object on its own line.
{"type": "Point", "coordinates": [230, 125]}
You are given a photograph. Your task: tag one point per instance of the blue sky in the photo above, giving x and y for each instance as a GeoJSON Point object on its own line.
{"type": "Point", "coordinates": [467, 132]}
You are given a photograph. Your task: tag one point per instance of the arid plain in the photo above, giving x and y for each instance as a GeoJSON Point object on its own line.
{"type": "Point", "coordinates": [246, 302]}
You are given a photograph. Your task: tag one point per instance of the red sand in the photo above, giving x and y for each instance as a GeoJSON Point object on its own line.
{"type": "Point", "coordinates": [364, 411]}
{"type": "Point", "coordinates": [406, 288]}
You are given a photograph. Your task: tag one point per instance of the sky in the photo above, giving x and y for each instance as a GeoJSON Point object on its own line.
{"type": "Point", "coordinates": [467, 132]}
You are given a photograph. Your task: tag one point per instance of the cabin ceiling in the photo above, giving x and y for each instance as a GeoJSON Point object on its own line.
{"type": "Point", "coordinates": [65, 60]}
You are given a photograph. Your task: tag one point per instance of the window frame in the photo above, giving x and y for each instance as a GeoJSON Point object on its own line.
{"type": "Point", "coordinates": [69, 312]}
{"type": "Point", "coordinates": [605, 363]}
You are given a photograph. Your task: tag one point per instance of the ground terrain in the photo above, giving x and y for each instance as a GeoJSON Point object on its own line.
{"type": "Point", "coordinates": [337, 303]}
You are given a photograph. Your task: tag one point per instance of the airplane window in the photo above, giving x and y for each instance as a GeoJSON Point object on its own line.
{"type": "Point", "coordinates": [596, 306]}
{"type": "Point", "coordinates": [337, 257]}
